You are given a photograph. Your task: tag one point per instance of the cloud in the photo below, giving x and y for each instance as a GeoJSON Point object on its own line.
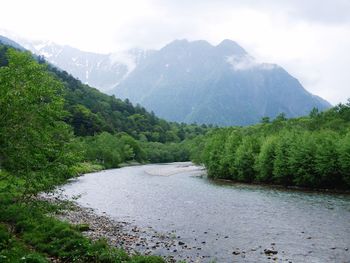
{"type": "Point", "coordinates": [244, 62]}
{"type": "Point", "coordinates": [247, 62]}
{"type": "Point", "coordinates": [309, 38]}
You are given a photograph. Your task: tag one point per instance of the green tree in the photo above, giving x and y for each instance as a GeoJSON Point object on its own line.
{"type": "Point", "coordinates": [265, 120]}
{"type": "Point", "coordinates": [245, 159]}
{"type": "Point", "coordinates": [327, 159]}
{"type": "Point", "coordinates": [265, 160]}
{"type": "Point", "coordinates": [282, 173]}
{"type": "Point", "coordinates": [302, 160]}
{"type": "Point", "coordinates": [213, 154]}
{"type": "Point", "coordinates": [137, 152]}
{"type": "Point", "coordinates": [344, 158]}
{"type": "Point", "coordinates": [233, 140]}
{"type": "Point", "coordinates": [33, 136]}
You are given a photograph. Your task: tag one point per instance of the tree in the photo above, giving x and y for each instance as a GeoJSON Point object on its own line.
{"type": "Point", "coordinates": [245, 159]}
{"type": "Point", "coordinates": [233, 140]}
{"type": "Point", "coordinates": [302, 161]}
{"type": "Point", "coordinates": [265, 120]}
{"type": "Point", "coordinates": [107, 149]}
{"type": "Point", "coordinates": [344, 158]}
{"type": "Point", "coordinates": [33, 136]}
{"type": "Point", "coordinates": [265, 160]}
{"type": "Point", "coordinates": [282, 173]}
{"type": "Point", "coordinates": [213, 153]}
{"type": "Point", "coordinates": [137, 152]}
{"type": "Point", "coordinates": [280, 117]}
{"type": "Point", "coordinates": [327, 159]}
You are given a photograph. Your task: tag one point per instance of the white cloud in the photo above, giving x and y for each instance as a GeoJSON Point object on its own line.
{"type": "Point", "coordinates": [310, 38]}
{"type": "Point", "coordinates": [247, 62]}
{"type": "Point", "coordinates": [244, 62]}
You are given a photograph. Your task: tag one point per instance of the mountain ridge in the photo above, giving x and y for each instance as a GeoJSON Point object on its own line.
{"type": "Point", "coordinates": [194, 81]}
{"type": "Point", "coordinates": [103, 71]}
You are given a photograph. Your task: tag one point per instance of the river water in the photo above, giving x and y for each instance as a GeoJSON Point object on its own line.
{"type": "Point", "coordinates": [221, 221]}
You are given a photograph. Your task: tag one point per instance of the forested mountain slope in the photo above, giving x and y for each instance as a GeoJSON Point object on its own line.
{"type": "Point", "coordinates": [92, 111]}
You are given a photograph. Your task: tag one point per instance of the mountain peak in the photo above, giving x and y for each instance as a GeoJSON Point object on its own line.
{"type": "Point", "coordinates": [226, 47]}
{"type": "Point", "coordinates": [230, 46]}
{"type": "Point", "coordinates": [220, 85]}
{"type": "Point", "coordinates": [178, 42]}
{"type": "Point", "coordinates": [184, 43]}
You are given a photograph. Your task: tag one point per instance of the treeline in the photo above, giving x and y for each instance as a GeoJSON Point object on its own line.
{"type": "Point", "coordinates": [311, 151]}
{"type": "Point", "coordinates": [111, 150]}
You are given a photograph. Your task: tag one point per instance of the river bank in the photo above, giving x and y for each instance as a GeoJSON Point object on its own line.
{"type": "Point", "coordinates": [208, 221]}
{"type": "Point", "coordinates": [124, 235]}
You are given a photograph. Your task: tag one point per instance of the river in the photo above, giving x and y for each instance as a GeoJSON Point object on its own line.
{"type": "Point", "coordinates": [221, 221]}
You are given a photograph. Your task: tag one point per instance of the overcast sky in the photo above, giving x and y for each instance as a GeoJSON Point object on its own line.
{"type": "Point", "coordinates": [310, 38]}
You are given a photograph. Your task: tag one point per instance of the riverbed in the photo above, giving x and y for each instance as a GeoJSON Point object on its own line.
{"type": "Point", "coordinates": [203, 220]}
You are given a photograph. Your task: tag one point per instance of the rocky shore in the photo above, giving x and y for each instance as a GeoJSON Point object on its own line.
{"type": "Point", "coordinates": [125, 235]}
{"type": "Point", "coordinates": [146, 241]}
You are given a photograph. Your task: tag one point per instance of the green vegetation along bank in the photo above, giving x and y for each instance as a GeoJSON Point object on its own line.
{"type": "Point", "coordinates": [312, 151]}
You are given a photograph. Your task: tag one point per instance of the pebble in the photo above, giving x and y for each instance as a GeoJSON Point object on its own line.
{"type": "Point", "coordinates": [270, 252]}
{"type": "Point", "coordinates": [119, 234]}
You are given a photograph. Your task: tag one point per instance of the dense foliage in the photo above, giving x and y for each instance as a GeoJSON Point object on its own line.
{"type": "Point", "coordinates": [311, 151]}
{"type": "Point", "coordinates": [33, 135]}
{"type": "Point", "coordinates": [40, 148]}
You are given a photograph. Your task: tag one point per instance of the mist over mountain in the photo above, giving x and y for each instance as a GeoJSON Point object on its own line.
{"type": "Point", "coordinates": [103, 71]}
{"type": "Point", "coordinates": [223, 85]}
{"type": "Point", "coordinates": [6, 41]}
{"type": "Point", "coordinates": [189, 81]}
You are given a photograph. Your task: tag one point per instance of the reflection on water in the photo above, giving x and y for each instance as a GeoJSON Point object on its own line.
{"type": "Point", "coordinates": [228, 222]}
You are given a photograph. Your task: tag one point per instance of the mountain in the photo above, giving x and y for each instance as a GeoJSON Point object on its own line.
{"type": "Point", "coordinates": [91, 112]}
{"type": "Point", "coordinates": [9, 42]}
{"type": "Point", "coordinates": [103, 71]}
{"type": "Point", "coordinates": [198, 82]}
{"type": "Point", "coordinates": [189, 81]}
